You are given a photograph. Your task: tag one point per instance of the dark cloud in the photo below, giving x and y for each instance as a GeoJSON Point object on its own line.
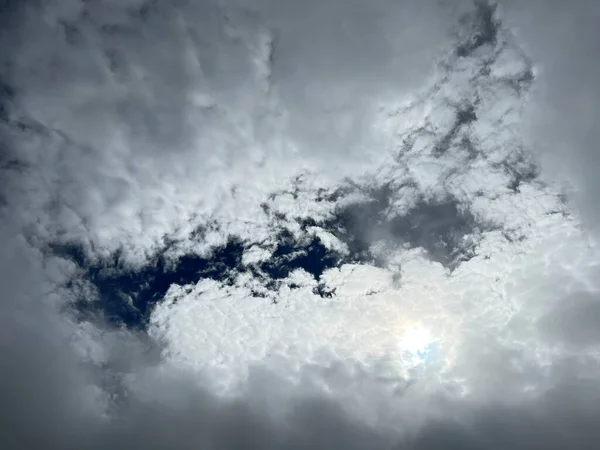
{"type": "Point", "coordinates": [443, 228]}
{"type": "Point", "coordinates": [562, 418]}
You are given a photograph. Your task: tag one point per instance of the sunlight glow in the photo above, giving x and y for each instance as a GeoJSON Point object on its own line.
{"type": "Point", "coordinates": [417, 342]}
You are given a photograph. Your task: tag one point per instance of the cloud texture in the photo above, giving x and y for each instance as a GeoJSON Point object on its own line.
{"type": "Point", "coordinates": [224, 223]}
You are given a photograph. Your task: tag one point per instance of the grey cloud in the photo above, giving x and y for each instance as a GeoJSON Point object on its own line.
{"type": "Point", "coordinates": [134, 103]}
{"type": "Point", "coordinates": [563, 418]}
{"type": "Point", "coordinates": [99, 67]}
{"type": "Point", "coordinates": [562, 39]}
{"type": "Point", "coordinates": [45, 404]}
{"type": "Point", "coordinates": [574, 320]}
{"type": "Point", "coordinates": [41, 409]}
{"type": "Point", "coordinates": [47, 391]}
{"type": "Point", "coordinates": [355, 56]}
{"type": "Point", "coordinates": [40, 381]}
{"type": "Point", "coordinates": [50, 398]}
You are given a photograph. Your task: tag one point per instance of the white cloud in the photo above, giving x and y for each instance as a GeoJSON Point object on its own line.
{"type": "Point", "coordinates": [149, 118]}
{"type": "Point", "coordinates": [370, 310]}
{"type": "Point", "coordinates": [140, 126]}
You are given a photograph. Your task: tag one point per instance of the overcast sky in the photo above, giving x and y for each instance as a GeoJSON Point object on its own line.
{"type": "Point", "coordinates": [142, 131]}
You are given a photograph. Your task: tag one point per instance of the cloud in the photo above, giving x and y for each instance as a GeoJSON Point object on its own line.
{"type": "Point", "coordinates": [219, 220]}
{"type": "Point", "coordinates": [48, 400]}
{"type": "Point", "coordinates": [197, 110]}
{"type": "Point", "coordinates": [561, 122]}
{"type": "Point", "coordinates": [574, 319]}
{"type": "Point", "coordinates": [52, 398]}
{"type": "Point", "coordinates": [562, 418]}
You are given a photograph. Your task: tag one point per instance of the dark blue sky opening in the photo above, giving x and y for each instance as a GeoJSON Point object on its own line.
{"type": "Point", "coordinates": [290, 254]}
{"type": "Point", "coordinates": [126, 296]}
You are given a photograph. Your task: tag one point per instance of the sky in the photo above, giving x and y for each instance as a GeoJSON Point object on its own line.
{"type": "Point", "coordinates": [326, 224]}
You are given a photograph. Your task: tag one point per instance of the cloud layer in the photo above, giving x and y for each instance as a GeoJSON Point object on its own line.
{"type": "Point", "coordinates": [268, 225]}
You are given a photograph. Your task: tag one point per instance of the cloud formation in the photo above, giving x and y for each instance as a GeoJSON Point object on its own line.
{"type": "Point", "coordinates": [220, 221]}
{"type": "Point", "coordinates": [562, 119]}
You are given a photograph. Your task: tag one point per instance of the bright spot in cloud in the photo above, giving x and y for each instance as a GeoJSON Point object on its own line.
{"type": "Point", "coordinates": [417, 342]}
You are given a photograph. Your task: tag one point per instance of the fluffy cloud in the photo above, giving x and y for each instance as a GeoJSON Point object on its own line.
{"type": "Point", "coordinates": [267, 225]}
